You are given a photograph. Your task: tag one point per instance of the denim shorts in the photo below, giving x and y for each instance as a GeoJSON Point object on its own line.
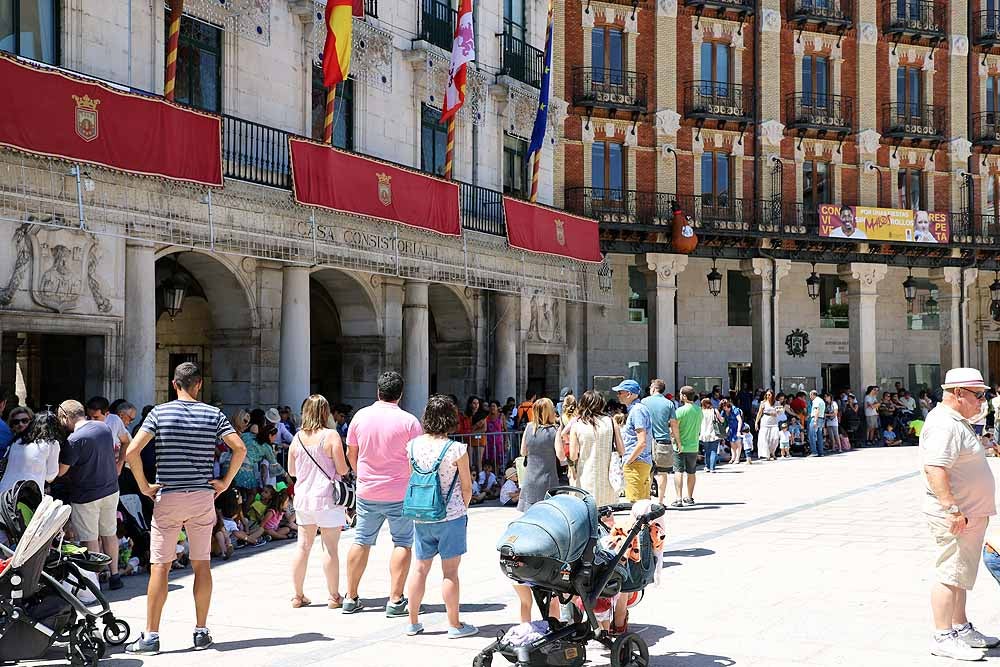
{"type": "Point", "coordinates": [444, 538]}
{"type": "Point", "coordinates": [372, 514]}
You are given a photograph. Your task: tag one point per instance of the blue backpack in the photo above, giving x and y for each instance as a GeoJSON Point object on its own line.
{"type": "Point", "coordinates": [424, 500]}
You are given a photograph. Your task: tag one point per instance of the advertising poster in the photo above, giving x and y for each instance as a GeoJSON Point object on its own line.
{"type": "Point", "coordinates": [868, 223]}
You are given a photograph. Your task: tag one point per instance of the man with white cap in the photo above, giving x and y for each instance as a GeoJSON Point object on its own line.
{"type": "Point", "coordinates": [958, 503]}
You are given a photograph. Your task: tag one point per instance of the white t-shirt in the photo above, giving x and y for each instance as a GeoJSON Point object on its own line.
{"type": "Point", "coordinates": [425, 451]}
{"type": "Point", "coordinates": [485, 482]}
{"type": "Point", "coordinates": [117, 427]}
{"type": "Point", "coordinates": [784, 438]}
{"type": "Point", "coordinates": [508, 488]}
{"type": "Point", "coordinates": [949, 441]}
{"type": "Point", "coordinates": [870, 409]}
{"type": "Point", "coordinates": [818, 408]}
{"type": "Point", "coordinates": [838, 233]}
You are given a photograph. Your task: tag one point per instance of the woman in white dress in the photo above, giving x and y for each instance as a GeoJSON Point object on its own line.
{"type": "Point", "coordinates": [767, 426]}
{"type": "Point", "coordinates": [35, 455]}
{"type": "Point", "coordinates": [593, 437]}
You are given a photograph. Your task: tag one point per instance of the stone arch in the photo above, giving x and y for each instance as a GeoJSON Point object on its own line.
{"type": "Point", "coordinates": [454, 354]}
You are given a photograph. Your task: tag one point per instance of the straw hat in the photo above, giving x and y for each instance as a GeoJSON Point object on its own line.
{"type": "Point", "coordinates": [969, 378]}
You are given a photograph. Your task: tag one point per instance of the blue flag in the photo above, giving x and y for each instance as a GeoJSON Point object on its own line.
{"type": "Point", "coordinates": [542, 114]}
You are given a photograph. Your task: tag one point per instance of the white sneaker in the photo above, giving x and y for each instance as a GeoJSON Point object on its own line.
{"type": "Point", "coordinates": [974, 638]}
{"type": "Point", "coordinates": [950, 646]}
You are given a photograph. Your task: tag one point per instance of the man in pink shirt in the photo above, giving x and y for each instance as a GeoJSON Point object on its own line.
{"type": "Point", "coordinates": [376, 449]}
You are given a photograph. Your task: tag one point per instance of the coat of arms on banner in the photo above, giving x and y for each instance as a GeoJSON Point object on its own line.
{"type": "Point", "coordinates": [86, 117]}
{"type": "Point", "coordinates": [796, 342]}
{"type": "Point", "coordinates": [58, 267]}
{"type": "Point", "coordinates": [384, 189]}
{"type": "Point", "coordinates": [560, 232]}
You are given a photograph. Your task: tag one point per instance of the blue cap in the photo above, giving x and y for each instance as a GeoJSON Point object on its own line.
{"type": "Point", "coordinates": [631, 386]}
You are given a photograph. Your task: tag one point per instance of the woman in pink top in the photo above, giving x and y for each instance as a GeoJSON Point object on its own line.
{"type": "Point", "coordinates": [494, 441]}
{"type": "Point", "coordinates": [315, 458]}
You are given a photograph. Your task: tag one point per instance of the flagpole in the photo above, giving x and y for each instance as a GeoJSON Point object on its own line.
{"type": "Point", "coordinates": [173, 39]}
{"type": "Point", "coordinates": [535, 169]}
{"type": "Point", "coordinates": [331, 98]}
{"type": "Point", "coordinates": [449, 155]}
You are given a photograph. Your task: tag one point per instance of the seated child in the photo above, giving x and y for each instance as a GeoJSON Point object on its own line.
{"type": "Point", "coordinates": [890, 437]}
{"type": "Point", "coordinates": [784, 439]}
{"type": "Point", "coordinates": [795, 432]}
{"type": "Point", "coordinates": [488, 481]}
{"type": "Point", "coordinates": [477, 494]}
{"type": "Point", "coordinates": [274, 524]}
{"type": "Point", "coordinates": [234, 523]}
{"type": "Point", "coordinates": [510, 493]}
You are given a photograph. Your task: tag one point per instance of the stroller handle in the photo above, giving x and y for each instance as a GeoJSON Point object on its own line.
{"type": "Point", "coordinates": [655, 512]}
{"type": "Point", "coordinates": [567, 490]}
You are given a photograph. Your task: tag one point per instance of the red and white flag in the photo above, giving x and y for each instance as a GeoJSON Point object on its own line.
{"type": "Point", "coordinates": [463, 51]}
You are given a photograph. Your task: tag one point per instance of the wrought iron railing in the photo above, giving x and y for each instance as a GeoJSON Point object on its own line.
{"type": "Point", "coordinates": [822, 11]}
{"type": "Point", "coordinates": [437, 23]}
{"type": "Point", "coordinates": [611, 88]}
{"type": "Point", "coordinates": [719, 212]}
{"type": "Point", "coordinates": [255, 153]}
{"type": "Point", "coordinates": [371, 8]}
{"type": "Point", "coordinates": [985, 128]}
{"type": "Point", "coordinates": [738, 5]}
{"type": "Point", "coordinates": [986, 27]}
{"type": "Point", "coordinates": [520, 60]}
{"type": "Point", "coordinates": [712, 99]}
{"type": "Point", "coordinates": [901, 119]}
{"type": "Point", "coordinates": [482, 209]}
{"type": "Point", "coordinates": [916, 17]}
{"type": "Point", "coordinates": [825, 112]}
{"type": "Point", "coordinates": [620, 206]}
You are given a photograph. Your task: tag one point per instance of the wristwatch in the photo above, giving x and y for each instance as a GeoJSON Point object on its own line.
{"type": "Point", "coordinates": [953, 510]}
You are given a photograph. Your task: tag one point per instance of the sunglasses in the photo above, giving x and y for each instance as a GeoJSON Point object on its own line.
{"type": "Point", "coordinates": [980, 395]}
{"type": "Point", "coordinates": [23, 420]}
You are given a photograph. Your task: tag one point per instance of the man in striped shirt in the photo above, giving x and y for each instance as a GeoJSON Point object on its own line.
{"type": "Point", "coordinates": [186, 432]}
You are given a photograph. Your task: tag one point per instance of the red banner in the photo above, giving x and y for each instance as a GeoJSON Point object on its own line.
{"type": "Point", "coordinates": [551, 232]}
{"type": "Point", "coordinates": [340, 181]}
{"type": "Point", "coordinates": [51, 113]}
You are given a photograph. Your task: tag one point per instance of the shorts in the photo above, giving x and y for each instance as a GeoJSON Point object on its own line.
{"type": "Point", "coordinates": [872, 421]}
{"type": "Point", "coordinates": [638, 480]}
{"type": "Point", "coordinates": [194, 511]}
{"type": "Point", "coordinates": [663, 457]}
{"type": "Point", "coordinates": [98, 518]}
{"type": "Point", "coordinates": [687, 462]}
{"type": "Point", "coordinates": [957, 557]}
{"type": "Point", "coordinates": [441, 538]}
{"type": "Point", "coordinates": [372, 514]}
{"type": "Point", "coordinates": [334, 517]}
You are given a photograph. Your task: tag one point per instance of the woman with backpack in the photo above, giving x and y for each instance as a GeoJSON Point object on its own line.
{"type": "Point", "coordinates": [437, 498]}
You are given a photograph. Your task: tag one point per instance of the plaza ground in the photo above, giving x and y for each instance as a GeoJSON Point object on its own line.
{"type": "Point", "coordinates": [799, 562]}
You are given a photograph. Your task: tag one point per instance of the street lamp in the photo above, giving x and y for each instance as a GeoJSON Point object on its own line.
{"type": "Point", "coordinates": [995, 297]}
{"type": "Point", "coordinates": [812, 283]}
{"type": "Point", "coordinates": [714, 281]}
{"type": "Point", "coordinates": [174, 290]}
{"type": "Point", "coordinates": [910, 288]}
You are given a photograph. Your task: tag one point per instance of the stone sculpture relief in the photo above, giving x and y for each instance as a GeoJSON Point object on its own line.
{"type": "Point", "coordinates": [545, 320]}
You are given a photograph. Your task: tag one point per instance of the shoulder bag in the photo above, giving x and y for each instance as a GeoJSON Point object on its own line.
{"type": "Point", "coordinates": [343, 493]}
{"type": "Point", "coordinates": [616, 471]}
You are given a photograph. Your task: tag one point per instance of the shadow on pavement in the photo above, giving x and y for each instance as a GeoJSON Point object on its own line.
{"type": "Point", "coordinates": [697, 552]}
{"type": "Point", "coordinates": [259, 642]}
{"type": "Point", "coordinates": [690, 659]}
{"type": "Point", "coordinates": [465, 608]}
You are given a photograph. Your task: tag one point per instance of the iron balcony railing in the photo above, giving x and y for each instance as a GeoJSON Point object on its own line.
{"type": "Point", "coordinates": [609, 88]}
{"type": "Point", "coordinates": [482, 209]}
{"type": "Point", "coordinates": [741, 6]}
{"type": "Point", "coordinates": [986, 128]}
{"type": "Point", "coordinates": [520, 60]}
{"type": "Point", "coordinates": [620, 206]}
{"type": "Point", "coordinates": [986, 27]}
{"type": "Point", "coordinates": [371, 8]}
{"type": "Point", "coordinates": [820, 112]}
{"type": "Point", "coordinates": [916, 18]}
{"type": "Point", "coordinates": [836, 13]}
{"type": "Point", "coordinates": [977, 229]}
{"type": "Point", "coordinates": [723, 101]}
{"type": "Point", "coordinates": [719, 213]}
{"type": "Point", "coordinates": [255, 153]}
{"type": "Point", "coordinates": [437, 23]}
{"type": "Point", "coordinates": [913, 121]}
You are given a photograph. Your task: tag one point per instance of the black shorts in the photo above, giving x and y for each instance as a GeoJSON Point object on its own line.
{"type": "Point", "coordinates": [686, 462]}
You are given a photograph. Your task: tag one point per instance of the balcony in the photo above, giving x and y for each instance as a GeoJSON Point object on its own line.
{"type": "Point", "coordinates": [602, 88]}
{"type": "Point", "coordinates": [986, 130]}
{"type": "Point", "coordinates": [437, 24]}
{"type": "Point", "coordinates": [986, 28]}
{"type": "Point", "coordinates": [821, 114]}
{"type": "Point", "coordinates": [741, 8]}
{"type": "Point", "coordinates": [371, 8]}
{"type": "Point", "coordinates": [621, 206]}
{"type": "Point", "coordinates": [723, 102]}
{"type": "Point", "coordinates": [482, 209]}
{"type": "Point", "coordinates": [720, 214]}
{"type": "Point", "coordinates": [913, 122]}
{"type": "Point", "coordinates": [520, 60]}
{"type": "Point", "coordinates": [914, 20]}
{"type": "Point", "coordinates": [833, 15]}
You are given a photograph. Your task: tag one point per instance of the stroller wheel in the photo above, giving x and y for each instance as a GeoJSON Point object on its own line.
{"type": "Point", "coordinates": [629, 650]}
{"type": "Point", "coordinates": [482, 660]}
{"type": "Point", "coordinates": [117, 632]}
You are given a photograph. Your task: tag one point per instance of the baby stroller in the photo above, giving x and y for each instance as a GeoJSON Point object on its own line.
{"type": "Point", "coordinates": [556, 548]}
{"type": "Point", "coordinates": [35, 610]}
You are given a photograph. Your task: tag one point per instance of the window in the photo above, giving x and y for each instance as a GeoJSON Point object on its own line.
{"type": "Point", "coordinates": [833, 303]}
{"type": "Point", "coordinates": [702, 384]}
{"type": "Point", "coordinates": [909, 93]}
{"type": "Point", "coordinates": [992, 98]}
{"type": "Point", "coordinates": [817, 185]}
{"type": "Point", "coordinates": [815, 81]}
{"type": "Point", "coordinates": [738, 298]}
{"type": "Point", "coordinates": [607, 55]}
{"type": "Point", "coordinates": [637, 303]}
{"type": "Point", "coordinates": [923, 313]}
{"type": "Point", "coordinates": [639, 371]}
{"type": "Point", "coordinates": [343, 111]}
{"type": "Point", "coordinates": [910, 185]}
{"type": "Point", "coordinates": [991, 185]}
{"type": "Point", "coordinates": [199, 65]}
{"type": "Point", "coordinates": [433, 140]}
{"type": "Point", "coordinates": [716, 64]}
{"type": "Point", "coordinates": [715, 178]}
{"type": "Point", "coordinates": [513, 18]}
{"type": "Point", "coordinates": [924, 377]}
{"type": "Point", "coordinates": [30, 28]}
{"type": "Point", "coordinates": [607, 169]}
{"type": "Point", "coordinates": [515, 166]}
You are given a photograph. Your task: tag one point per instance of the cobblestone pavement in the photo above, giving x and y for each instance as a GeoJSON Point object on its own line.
{"type": "Point", "coordinates": [799, 562]}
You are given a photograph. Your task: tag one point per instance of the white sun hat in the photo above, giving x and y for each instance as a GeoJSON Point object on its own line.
{"type": "Point", "coordinates": [969, 378]}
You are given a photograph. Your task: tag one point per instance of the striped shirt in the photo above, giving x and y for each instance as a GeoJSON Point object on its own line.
{"type": "Point", "coordinates": [185, 434]}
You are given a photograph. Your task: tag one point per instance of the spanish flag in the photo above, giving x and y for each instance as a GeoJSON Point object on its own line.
{"type": "Point", "coordinates": [337, 50]}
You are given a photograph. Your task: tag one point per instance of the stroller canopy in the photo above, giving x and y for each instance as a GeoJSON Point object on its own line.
{"type": "Point", "coordinates": [18, 505]}
{"type": "Point", "coordinates": [557, 528]}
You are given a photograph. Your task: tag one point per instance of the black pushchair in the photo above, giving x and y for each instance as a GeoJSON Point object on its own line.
{"type": "Point", "coordinates": [35, 610]}
{"type": "Point", "coordinates": [556, 548]}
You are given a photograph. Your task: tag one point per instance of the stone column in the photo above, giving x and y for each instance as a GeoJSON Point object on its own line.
{"type": "Point", "coordinates": [505, 339]}
{"type": "Point", "coordinates": [862, 296]}
{"type": "Point", "coordinates": [140, 323]}
{"type": "Point", "coordinates": [416, 347]}
{"type": "Point", "coordinates": [574, 348]}
{"type": "Point", "coordinates": [765, 280]}
{"type": "Point", "coordinates": [392, 298]}
{"type": "Point", "coordinates": [294, 363]}
{"type": "Point", "coordinates": [953, 305]}
{"type": "Point", "coordinates": [661, 271]}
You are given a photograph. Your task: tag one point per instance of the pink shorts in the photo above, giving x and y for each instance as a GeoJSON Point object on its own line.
{"type": "Point", "coordinates": [192, 510]}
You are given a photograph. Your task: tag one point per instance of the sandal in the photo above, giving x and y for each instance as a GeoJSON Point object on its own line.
{"type": "Point", "coordinates": [335, 602]}
{"type": "Point", "coordinates": [300, 601]}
